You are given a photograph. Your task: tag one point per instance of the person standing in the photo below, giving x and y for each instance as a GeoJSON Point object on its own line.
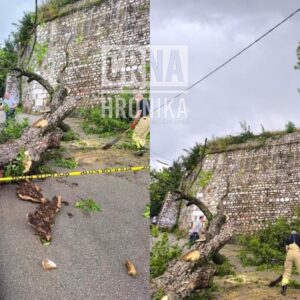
{"type": "Point", "coordinates": [196, 228]}
{"type": "Point", "coordinates": [9, 105]}
{"type": "Point", "coordinates": [292, 245]}
{"type": "Point", "coordinates": [141, 124]}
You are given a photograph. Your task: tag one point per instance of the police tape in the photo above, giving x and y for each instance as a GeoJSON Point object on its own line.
{"type": "Point", "coordinates": [76, 173]}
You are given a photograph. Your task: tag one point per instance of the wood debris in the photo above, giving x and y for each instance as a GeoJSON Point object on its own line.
{"type": "Point", "coordinates": [29, 191]}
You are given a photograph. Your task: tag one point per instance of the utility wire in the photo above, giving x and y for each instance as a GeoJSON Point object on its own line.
{"type": "Point", "coordinates": [229, 60]}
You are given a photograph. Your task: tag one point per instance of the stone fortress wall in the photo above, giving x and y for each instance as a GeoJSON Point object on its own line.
{"type": "Point", "coordinates": [108, 50]}
{"type": "Point", "coordinates": [263, 184]}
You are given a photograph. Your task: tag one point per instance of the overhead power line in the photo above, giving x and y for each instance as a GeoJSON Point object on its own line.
{"type": "Point", "coordinates": [230, 59]}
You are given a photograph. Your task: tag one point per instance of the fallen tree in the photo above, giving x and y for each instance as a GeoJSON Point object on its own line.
{"type": "Point", "coordinates": [194, 270]}
{"type": "Point", "coordinates": [46, 132]}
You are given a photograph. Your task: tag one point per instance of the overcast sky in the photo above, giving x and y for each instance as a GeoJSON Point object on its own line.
{"type": "Point", "coordinates": [11, 11]}
{"type": "Point", "coordinates": [259, 87]}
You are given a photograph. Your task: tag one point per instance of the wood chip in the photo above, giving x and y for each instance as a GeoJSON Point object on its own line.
{"type": "Point", "coordinates": [131, 270]}
{"type": "Point", "coordinates": [28, 191]}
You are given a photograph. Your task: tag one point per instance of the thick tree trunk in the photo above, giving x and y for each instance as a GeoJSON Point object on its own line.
{"type": "Point", "coordinates": [183, 277]}
{"type": "Point", "coordinates": [193, 271]}
{"type": "Point", "coordinates": [35, 139]}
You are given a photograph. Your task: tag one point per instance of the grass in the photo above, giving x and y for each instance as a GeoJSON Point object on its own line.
{"type": "Point", "coordinates": [88, 205]}
{"type": "Point", "coordinates": [69, 163]}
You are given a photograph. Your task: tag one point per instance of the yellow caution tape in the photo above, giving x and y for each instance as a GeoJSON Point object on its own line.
{"type": "Point", "coordinates": [76, 173]}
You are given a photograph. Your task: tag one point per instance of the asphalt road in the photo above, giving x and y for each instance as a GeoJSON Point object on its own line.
{"type": "Point", "coordinates": [90, 249]}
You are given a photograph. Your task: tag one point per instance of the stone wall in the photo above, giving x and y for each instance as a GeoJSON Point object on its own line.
{"type": "Point", "coordinates": [168, 215]}
{"type": "Point", "coordinates": [263, 178]}
{"type": "Point", "coordinates": [108, 50]}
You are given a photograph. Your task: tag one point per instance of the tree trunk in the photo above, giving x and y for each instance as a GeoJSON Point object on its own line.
{"type": "Point", "coordinates": [184, 277]}
{"type": "Point", "coordinates": [36, 140]}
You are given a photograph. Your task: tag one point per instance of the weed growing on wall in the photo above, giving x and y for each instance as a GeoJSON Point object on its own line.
{"type": "Point", "coordinates": [204, 178]}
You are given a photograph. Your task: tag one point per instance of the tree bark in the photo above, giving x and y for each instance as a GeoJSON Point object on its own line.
{"type": "Point", "coordinates": [37, 140]}
{"type": "Point", "coordinates": [184, 277]}
{"type": "Point", "coordinates": [43, 218]}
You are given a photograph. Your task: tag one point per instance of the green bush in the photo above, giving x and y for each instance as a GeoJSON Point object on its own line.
{"type": "Point", "coordinates": [98, 121]}
{"type": "Point", "coordinates": [225, 269]}
{"type": "Point", "coordinates": [154, 231]}
{"type": "Point", "coordinates": [13, 130]}
{"type": "Point", "coordinates": [161, 254]}
{"type": "Point", "coordinates": [265, 248]}
{"type": "Point", "coordinates": [15, 167]}
{"type": "Point", "coordinates": [69, 163]}
{"type": "Point", "coordinates": [70, 135]}
{"type": "Point", "coordinates": [290, 127]}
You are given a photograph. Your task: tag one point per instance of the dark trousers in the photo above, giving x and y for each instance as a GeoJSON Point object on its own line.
{"type": "Point", "coordinates": [11, 114]}
{"type": "Point", "coordinates": [194, 237]}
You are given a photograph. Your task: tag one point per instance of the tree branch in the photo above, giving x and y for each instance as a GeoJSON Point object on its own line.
{"type": "Point", "coordinates": [195, 201]}
{"type": "Point", "coordinates": [35, 30]}
{"type": "Point", "coordinates": [33, 76]}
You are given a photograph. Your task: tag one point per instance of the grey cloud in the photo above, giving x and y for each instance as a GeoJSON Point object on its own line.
{"type": "Point", "coordinates": [259, 87]}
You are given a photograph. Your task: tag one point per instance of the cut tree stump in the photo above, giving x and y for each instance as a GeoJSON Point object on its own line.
{"type": "Point", "coordinates": [43, 218]}
{"type": "Point", "coordinates": [29, 191]}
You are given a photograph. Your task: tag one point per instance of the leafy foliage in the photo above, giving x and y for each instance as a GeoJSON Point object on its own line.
{"type": "Point", "coordinates": [8, 58]}
{"type": "Point", "coordinates": [15, 167]}
{"type": "Point", "coordinates": [40, 52]}
{"type": "Point", "coordinates": [146, 213]}
{"type": "Point", "coordinates": [154, 231]}
{"type": "Point", "coordinates": [88, 205]}
{"type": "Point", "coordinates": [69, 162]}
{"type": "Point", "coordinates": [297, 66]}
{"type": "Point", "coordinates": [191, 160]}
{"type": "Point", "coordinates": [266, 248]}
{"type": "Point", "coordinates": [290, 127]}
{"type": "Point", "coordinates": [70, 135]}
{"type": "Point", "coordinates": [204, 178]}
{"type": "Point", "coordinates": [97, 120]}
{"type": "Point", "coordinates": [161, 254]}
{"type": "Point", "coordinates": [225, 269]}
{"type": "Point", "coordinates": [13, 130]}
{"type": "Point", "coordinates": [25, 29]}
{"type": "Point", "coordinates": [50, 8]}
